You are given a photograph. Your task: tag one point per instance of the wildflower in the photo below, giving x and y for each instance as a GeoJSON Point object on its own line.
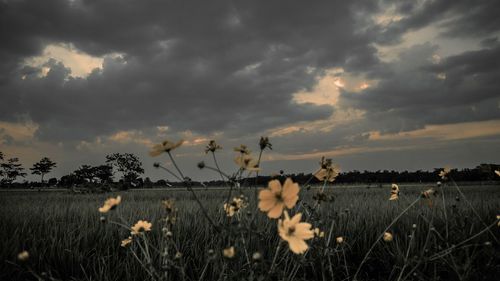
{"type": "Point", "coordinates": [126, 242]}
{"type": "Point", "coordinates": [168, 204]}
{"type": "Point", "coordinates": [264, 142]}
{"type": "Point", "coordinates": [444, 172]}
{"type": "Point", "coordinates": [327, 170]}
{"type": "Point", "coordinates": [256, 256]}
{"type": "Point", "coordinates": [165, 146]}
{"type": "Point", "coordinates": [242, 149]}
{"type": "Point", "coordinates": [212, 146]}
{"type": "Point", "coordinates": [235, 206]}
{"type": "Point", "coordinates": [339, 240]}
{"type": "Point", "coordinates": [322, 197]}
{"type": "Point", "coordinates": [23, 256]}
{"type": "Point", "coordinates": [274, 198]}
{"type": "Point", "coordinates": [229, 252]}
{"type": "Point", "coordinates": [295, 232]}
{"type": "Point", "coordinates": [497, 172]}
{"type": "Point", "coordinates": [178, 255]}
{"type": "Point", "coordinates": [427, 195]}
{"type": "Point", "coordinates": [394, 192]}
{"type": "Point", "coordinates": [388, 237]}
{"type": "Point", "coordinates": [110, 204]}
{"type": "Point", "coordinates": [319, 233]}
{"type": "Point", "coordinates": [140, 227]}
{"type": "Point", "coordinates": [247, 162]}
{"type": "Point", "coordinates": [211, 254]}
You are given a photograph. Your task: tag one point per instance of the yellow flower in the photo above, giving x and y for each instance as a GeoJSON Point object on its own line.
{"type": "Point", "coordinates": [23, 256]}
{"type": "Point", "coordinates": [235, 206]}
{"type": "Point", "coordinates": [319, 233]}
{"type": "Point", "coordinates": [169, 205]}
{"type": "Point", "coordinates": [295, 232]}
{"type": "Point", "coordinates": [165, 146]}
{"type": "Point", "coordinates": [274, 198]}
{"type": "Point", "coordinates": [247, 162]}
{"type": "Point", "coordinates": [339, 240]}
{"type": "Point", "coordinates": [327, 170]}
{"type": "Point", "coordinates": [264, 142]}
{"type": "Point", "coordinates": [444, 172]}
{"type": "Point", "coordinates": [126, 242]}
{"type": "Point", "coordinates": [140, 227]}
{"type": "Point", "coordinates": [242, 149]}
{"type": "Point", "coordinates": [427, 195]}
{"type": "Point", "coordinates": [212, 146]}
{"type": "Point", "coordinates": [388, 237]}
{"type": "Point", "coordinates": [229, 252]}
{"type": "Point", "coordinates": [394, 192]}
{"type": "Point", "coordinates": [110, 204]}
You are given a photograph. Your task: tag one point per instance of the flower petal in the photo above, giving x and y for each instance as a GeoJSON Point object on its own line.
{"type": "Point", "coordinates": [266, 205]}
{"type": "Point", "coordinates": [276, 211]}
{"type": "Point", "coordinates": [303, 231]}
{"type": "Point", "coordinates": [298, 246]}
{"type": "Point", "coordinates": [296, 219]}
{"type": "Point", "coordinates": [275, 186]}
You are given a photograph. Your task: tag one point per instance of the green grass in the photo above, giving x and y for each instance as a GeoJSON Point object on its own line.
{"type": "Point", "coordinates": [67, 241]}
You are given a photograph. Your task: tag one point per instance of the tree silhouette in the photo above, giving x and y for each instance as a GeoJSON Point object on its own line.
{"type": "Point", "coordinates": [128, 164]}
{"type": "Point", "coordinates": [43, 167]}
{"type": "Point", "coordinates": [11, 170]}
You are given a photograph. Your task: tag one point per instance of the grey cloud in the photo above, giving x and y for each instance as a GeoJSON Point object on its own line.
{"type": "Point", "coordinates": [460, 18]}
{"type": "Point", "coordinates": [203, 66]}
{"type": "Point", "coordinates": [411, 96]}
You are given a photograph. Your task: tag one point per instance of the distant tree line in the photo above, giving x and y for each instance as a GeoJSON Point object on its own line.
{"type": "Point", "coordinates": [128, 168]}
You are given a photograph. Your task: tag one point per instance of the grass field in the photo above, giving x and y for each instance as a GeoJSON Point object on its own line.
{"type": "Point", "coordinates": [66, 239]}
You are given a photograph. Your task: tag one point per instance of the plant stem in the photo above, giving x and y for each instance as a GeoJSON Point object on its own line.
{"type": "Point", "coordinates": [271, 269]}
{"type": "Point", "coordinates": [382, 235]}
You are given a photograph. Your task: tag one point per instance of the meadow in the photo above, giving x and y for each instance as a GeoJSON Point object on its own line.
{"type": "Point", "coordinates": [442, 238]}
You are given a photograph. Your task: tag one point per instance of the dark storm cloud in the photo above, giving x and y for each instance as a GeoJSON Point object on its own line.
{"type": "Point", "coordinates": [414, 91]}
{"type": "Point", "coordinates": [456, 18]}
{"type": "Point", "coordinates": [199, 65]}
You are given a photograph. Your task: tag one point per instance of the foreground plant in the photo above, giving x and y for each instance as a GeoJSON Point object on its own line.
{"type": "Point", "coordinates": [295, 232]}
{"type": "Point", "coordinates": [276, 197]}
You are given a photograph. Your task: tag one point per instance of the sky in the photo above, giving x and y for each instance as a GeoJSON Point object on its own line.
{"type": "Point", "coordinates": [374, 85]}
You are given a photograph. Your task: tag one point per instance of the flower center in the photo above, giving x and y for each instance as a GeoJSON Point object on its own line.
{"type": "Point", "coordinates": [279, 198]}
{"type": "Point", "coordinates": [291, 230]}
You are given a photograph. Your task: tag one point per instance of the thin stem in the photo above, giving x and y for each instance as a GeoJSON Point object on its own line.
{"type": "Point", "coordinates": [406, 257]}
{"type": "Point", "coordinates": [447, 251]}
{"type": "Point", "coordinates": [142, 264]}
{"type": "Point", "coordinates": [188, 186]}
{"type": "Point", "coordinates": [473, 209]}
{"type": "Point", "coordinates": [275, 257]}
{"type": "Point", "coordinates": [218, 168]}
{"type": "Point", "coordinates": [175, 164]}
{"type": "Point", "coordinates": [203, 272]}
{"type": "Point", "coordinates": [170, 172]}
{"type": "Point", "coordinates": [222, 173]}
{"type": "Point", "coordinates": [382, 235]}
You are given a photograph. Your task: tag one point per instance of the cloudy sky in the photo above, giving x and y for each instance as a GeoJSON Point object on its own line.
{"type": "Point", "coordinates": [372, 84]}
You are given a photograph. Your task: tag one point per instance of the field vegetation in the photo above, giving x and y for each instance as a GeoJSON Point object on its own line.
{"type": "Point", "coordinates": [279, 230]}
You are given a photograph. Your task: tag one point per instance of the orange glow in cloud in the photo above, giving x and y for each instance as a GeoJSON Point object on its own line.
{"type": "Point", "coordinates": [18, 131]}
{"type": "Point", "coordinates": [130, 137]}
{"type": "Point", "coordinates": [446, 132]}
{"type": "Point", "coordinates": [80, 63]}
